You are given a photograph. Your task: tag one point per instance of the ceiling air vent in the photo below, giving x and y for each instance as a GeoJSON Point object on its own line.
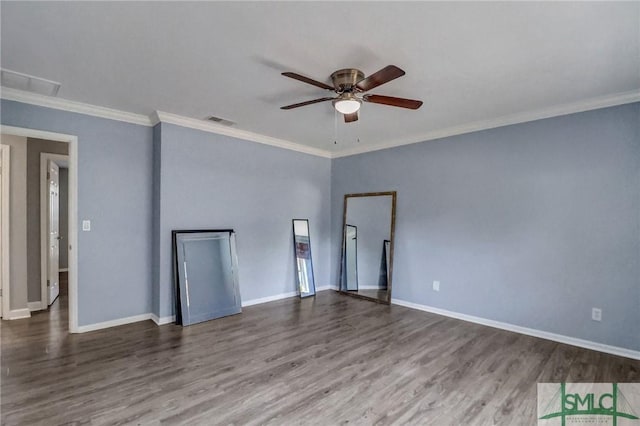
{"type": "Point", "coordinates": [220, 121]}
{"type": "Point", "coordinates": [29, 83]}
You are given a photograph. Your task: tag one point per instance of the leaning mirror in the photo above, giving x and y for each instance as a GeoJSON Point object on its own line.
{"type": "Point", "coordinates": [302, 251]}
{"type": "Point", "coordinates": [206, 274]}
{"type": "Point", "coordinates": [367, 245]}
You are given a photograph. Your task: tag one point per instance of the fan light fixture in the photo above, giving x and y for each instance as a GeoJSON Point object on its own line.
{"type": "Point", "coordinates": [350, 85]}
{"type": "Point", "coordinates": [347, 104]}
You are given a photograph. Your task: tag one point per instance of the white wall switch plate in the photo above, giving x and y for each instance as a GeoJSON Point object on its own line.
{"type": "Point", "coordinates": [86, 225]}
{"type": "Point", "coordinates": [596, 314]}
{"type": "Point", "coordinates": [436, 286]}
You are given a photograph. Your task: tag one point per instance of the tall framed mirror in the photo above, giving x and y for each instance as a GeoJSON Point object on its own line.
{"type": "Point", "coordinates": [368, 227]}
{"type": "Point", "coordinates": [302, 252]}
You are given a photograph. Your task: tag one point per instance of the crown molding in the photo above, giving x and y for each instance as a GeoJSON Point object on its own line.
{"type": "Point", "coordinates": [507, 120]}
{"type": "Point", "coordinates": [155, 118]}
{"type": "Point", "coordinates": [192, 123]}
{"type": "Point", "coordinates": [73, 106]}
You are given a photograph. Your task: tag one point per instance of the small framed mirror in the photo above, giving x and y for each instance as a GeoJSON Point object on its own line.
{"type": "Point", "coordinates": [302, 253]}
{"type": "Point", "coordinates": [367, 245]}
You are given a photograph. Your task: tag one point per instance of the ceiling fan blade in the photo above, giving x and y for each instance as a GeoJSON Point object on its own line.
{"type": "Point", "coordinates": [385, 75]}
{"type": "Point", "coordinates": [350, 118]}
{"type": "Point", "coordinates": [315, 101]}
{"type": "Point", "coordinates": [307, 80]}
{"type": "Point", "coordinates": [389, 100]}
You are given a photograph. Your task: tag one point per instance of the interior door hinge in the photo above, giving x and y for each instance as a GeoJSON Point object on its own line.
{"type": "Point", "coordinates": [48, 283]}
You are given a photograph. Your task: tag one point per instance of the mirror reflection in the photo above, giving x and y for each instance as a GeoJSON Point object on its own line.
{"type": "Point", "coordinates": [351, 257]}
{"type": "Point", "coordinates": [367, 249]}
{"type": "Point", "coordinates": [304, 264]}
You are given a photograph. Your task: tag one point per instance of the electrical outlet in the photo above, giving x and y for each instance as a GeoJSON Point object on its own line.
{"type": "Point", "coordinates": [596, 314]}
{"type": "Point", "coordinates": [86, 225]}
{"type": "Point", "coordinates": [436, 286]}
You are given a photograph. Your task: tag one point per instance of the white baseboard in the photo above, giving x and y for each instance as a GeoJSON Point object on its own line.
{"type": "Point", "coordinates": [587, 344]}
{"type": "Point", "coordinates": [63, 270]}
{"type": "Point", "coordinates": [35, 306]}
{"type": "Point", "coordinates": [269, 298]}
{"type": "Point", "coordinates": [15, 314]}
{"type": "Point", "coordinates": [113, 323]}
{"type": "Point", "coordinates": [163, 320]}
{"type": "Point", "coordinates": [172, 318]}
{"type": "Point", "coordinates": [280, 296]}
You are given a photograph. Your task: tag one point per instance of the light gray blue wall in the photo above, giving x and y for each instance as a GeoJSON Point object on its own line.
{"type": "Point", "coordinates": [211, 181]}
{"type": "Point", "coordinates": [156, 214]}
{"type": "Point", "coordinates": [114, 192]}
{"type": "Point", "coordinates": [531, 224]}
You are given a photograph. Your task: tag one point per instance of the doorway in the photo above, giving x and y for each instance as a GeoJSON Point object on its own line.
{"type": "Point", "coordinates": [71, 163]}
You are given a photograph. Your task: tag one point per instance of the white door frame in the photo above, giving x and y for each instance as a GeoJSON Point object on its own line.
{"type": "Point", "coordinates": [6, 229]}
{"type": "Point", "coordinates": [73, 208]}
{"type": "Point", "coordinates": [63, 162]}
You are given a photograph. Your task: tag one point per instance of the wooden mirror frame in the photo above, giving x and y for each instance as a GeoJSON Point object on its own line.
{"type": "Point", "coordinates": [391, 244]}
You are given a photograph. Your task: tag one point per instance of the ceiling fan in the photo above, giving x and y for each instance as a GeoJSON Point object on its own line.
{"type": "Point", "coordinates": [350, 84]}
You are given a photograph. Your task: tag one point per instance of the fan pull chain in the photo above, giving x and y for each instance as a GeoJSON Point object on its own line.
{"type": "Point", "coordinates": [358, 123]}
{"type": "Point", "coordinates": [335, 127]}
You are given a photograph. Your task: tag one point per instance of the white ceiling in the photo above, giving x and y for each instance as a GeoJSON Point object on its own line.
{"type": "Point", "coordinates": [468, 62]}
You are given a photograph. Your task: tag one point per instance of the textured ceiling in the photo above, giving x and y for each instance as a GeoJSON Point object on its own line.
{"type": "Point", "coordinates": [468, 62]}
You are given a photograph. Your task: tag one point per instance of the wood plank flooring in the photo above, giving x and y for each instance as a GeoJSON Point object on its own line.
{"type": "Point", "coordinates": [328, 360]}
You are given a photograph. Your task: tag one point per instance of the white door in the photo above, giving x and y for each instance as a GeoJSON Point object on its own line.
{"type": "Point", "coordinates": [4, 229]}
{"type": "Point", "coordinates": [1, 254]}
{"type": "Point", "coordinates": [53, 226]}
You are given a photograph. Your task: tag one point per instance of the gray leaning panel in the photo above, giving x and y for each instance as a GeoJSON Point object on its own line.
{"type": "Point", "coordinates": [207, 276]}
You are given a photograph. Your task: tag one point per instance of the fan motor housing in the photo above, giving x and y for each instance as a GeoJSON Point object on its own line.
{"type": "Point", "coordinates": [346, 79]}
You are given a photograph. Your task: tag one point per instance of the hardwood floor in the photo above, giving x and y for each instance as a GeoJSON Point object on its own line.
{"type": "Point", "coordinates": [327, 360]}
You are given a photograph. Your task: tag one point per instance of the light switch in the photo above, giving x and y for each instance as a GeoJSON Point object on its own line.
{"type": "Point", "coordinates": [436, 286]}
{"type": "Point", "coordinates": [86, 225]}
